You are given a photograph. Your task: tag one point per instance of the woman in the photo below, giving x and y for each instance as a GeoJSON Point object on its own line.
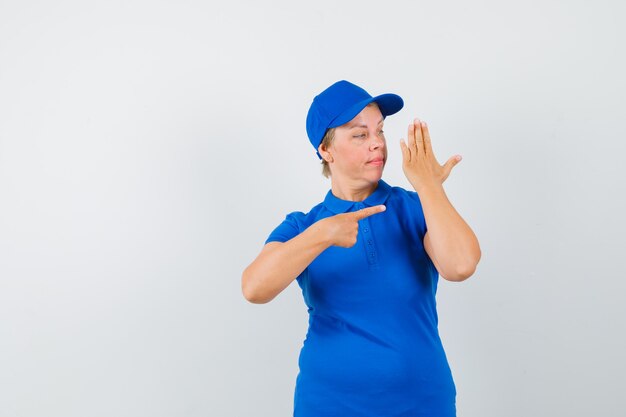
{"type": "Point", "coordinates": [367, 260]}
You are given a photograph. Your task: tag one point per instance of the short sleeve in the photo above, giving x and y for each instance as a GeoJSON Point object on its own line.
{"type": "Point", "coordinates": [287, 230]}
{"type": "Point", "coordinates": [417, 219]}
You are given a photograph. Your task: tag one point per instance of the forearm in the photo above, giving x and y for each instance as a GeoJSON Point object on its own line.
{"type": "Point", "coordinates": [453, 244]}
{"type": "Point", "coordinates": [279, 264]}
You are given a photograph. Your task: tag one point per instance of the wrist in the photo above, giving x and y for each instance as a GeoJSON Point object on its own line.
{"type": "Point", "coordinates": [320, 234]}
{"type": "Point", "coordinates": [429, 187]}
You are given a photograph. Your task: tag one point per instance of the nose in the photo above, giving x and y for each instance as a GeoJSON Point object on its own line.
{"type": "Point", "coordinates": [377, 142]}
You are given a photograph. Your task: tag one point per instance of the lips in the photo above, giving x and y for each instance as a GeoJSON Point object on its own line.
{"type": "Point", "coordinates": [376, 161]}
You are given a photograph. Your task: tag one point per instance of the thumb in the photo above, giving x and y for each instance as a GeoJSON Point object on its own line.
{"type": "Point", "coordinates": [368, 211]}
{"type": "Point", "coordinates": [451, 163]}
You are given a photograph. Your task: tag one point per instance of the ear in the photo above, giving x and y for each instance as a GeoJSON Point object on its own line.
{"type": "Point", "coordinates": [326, 155]}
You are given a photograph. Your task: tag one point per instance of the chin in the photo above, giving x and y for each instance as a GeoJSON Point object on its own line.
{"type": "Point", "coordinates": [374, 177]}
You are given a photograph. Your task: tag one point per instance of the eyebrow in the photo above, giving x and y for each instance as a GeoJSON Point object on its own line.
{"type": "Point", "coordinates": [352, 126]}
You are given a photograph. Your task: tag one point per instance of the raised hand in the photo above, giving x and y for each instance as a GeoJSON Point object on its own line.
{"type": "Point", "coordinates": [418, 160]}
{"type": "Point", "coordinates": [342, 229]}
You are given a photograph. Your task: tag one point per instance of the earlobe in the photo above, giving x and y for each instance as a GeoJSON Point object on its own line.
{"type": "Point", "coordinates": [325, 154]}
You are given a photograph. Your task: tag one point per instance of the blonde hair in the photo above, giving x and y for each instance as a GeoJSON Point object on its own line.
{"type": "Point", "coordinates": [329, 136]}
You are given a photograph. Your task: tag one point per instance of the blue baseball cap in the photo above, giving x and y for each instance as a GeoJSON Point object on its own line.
{"type": "Point", "coordinates": [339, 104]}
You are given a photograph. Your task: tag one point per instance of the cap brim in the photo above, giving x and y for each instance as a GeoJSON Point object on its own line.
{"type": "Point", "coordinates": [387, 103]}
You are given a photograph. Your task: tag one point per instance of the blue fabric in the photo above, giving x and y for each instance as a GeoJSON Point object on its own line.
{"type": "Point", "coordinates": [339, 104]}
{"type": "Point", "coordinates": [372, 347]}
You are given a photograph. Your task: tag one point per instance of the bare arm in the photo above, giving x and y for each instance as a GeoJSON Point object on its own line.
{"type": "Point", "coordinates": [279, 264]}
{"type": "Point", "coordinates": [450, 242]}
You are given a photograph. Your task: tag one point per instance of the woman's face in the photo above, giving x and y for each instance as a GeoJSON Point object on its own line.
{"type": "Point", "coordinates": [358, 152]}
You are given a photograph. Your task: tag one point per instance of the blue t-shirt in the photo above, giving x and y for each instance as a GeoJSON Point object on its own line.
{"type": "Point", "coordinates": [372, 347]}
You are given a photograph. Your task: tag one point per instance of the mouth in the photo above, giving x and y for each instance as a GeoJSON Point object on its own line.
{"type": "Point", "coordinates": [376, 161]}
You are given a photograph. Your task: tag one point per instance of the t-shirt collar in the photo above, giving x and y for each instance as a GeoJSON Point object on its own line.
{"type": "Point", "coordinates": [379, 196]}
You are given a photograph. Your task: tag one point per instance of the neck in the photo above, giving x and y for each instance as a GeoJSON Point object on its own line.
{"type": "Point", "coordinates": [351, 191]}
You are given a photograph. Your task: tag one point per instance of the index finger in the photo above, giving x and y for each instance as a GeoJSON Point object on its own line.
{"type": "Point", "coordinates": [368, 211]}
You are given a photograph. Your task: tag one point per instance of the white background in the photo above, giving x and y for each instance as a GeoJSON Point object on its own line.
{"type": "Point", "coordinates": [147, 149]}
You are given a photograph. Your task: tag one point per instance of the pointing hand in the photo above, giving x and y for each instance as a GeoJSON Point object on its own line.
{"type": "Point", "coordinates": [342, 229]}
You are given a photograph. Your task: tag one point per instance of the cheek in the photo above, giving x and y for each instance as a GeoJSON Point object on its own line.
{"type": "Point", "coordinates": [351, 159]}
{"type": "Point", "coordinates": [360, 156]}
{"type": "Point", "coordinates": [353, 156]}
{"type": "Point", "coordinates": [349, 155]}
